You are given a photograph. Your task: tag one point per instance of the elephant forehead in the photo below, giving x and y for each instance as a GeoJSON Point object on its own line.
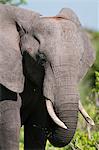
{"type": "Point", "coordinates": [58, 36]}
{"type": "Point", "coordinates": [53, 25]}
{"type": "Point", "coordinates": [46, 26]}
{"type": "Point", "coordinates": [55, 32]}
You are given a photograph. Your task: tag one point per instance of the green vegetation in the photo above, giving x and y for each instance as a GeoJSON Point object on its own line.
{"type": "Point", "coordinates": [13, 2]}
{"type": "Point", "coordinates": [79, 142]}
{"type": "Point", "coordinates": [21, 139]}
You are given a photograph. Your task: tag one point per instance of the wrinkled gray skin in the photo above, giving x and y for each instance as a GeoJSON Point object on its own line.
{"type": "Point", "coordinates": [69, 54]}
{"type": "Point", "coordinates": [13, 19]}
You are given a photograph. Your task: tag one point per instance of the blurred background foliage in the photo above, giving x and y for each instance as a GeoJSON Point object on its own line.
{"type": "Point", "coordinates": [13, 2]}
{"type": "Point", "coordinates": [89, 92]}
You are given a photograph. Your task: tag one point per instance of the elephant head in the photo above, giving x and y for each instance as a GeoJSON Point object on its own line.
{"type": "Point", "coordinates": [69, 55]}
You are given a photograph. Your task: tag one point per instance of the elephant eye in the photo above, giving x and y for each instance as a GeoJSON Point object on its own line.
{"type": "Point", "coordinates": [41, 58]}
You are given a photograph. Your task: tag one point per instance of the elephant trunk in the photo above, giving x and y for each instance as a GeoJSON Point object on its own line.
{"type": "Point", "coordinates": [66, 105]}
{"type": "Point", "coordinates": [52, 114]}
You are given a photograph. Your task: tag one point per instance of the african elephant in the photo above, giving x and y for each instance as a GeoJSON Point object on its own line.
{"type": "Point", "coordinates": [11, 71]}
{"type": "Point", "coordinates": [69, 55]}
{"type": "Point", "coordinates": [47, 35]}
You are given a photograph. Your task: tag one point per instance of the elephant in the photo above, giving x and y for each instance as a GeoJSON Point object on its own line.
{"type": "Point", "coordinates": [12, 19]}
{"type": "Point", "coordinates": [69, 54]}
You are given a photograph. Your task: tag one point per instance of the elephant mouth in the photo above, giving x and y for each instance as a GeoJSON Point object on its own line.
{"type": "Point", "coordinates": [62, 133]}
{"type": "Point", "coordinates": [56, 119]}
{"type": "Point", "coordinates": [53, 115]}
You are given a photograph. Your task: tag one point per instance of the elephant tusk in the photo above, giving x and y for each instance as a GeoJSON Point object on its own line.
{"type": "Point", "coordinates": [52, 114]}
{"type": "Point", "coordinates": [85, 115]}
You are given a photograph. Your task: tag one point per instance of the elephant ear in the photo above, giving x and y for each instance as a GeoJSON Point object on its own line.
{"type": "Point", "coordinates": [88, 56]}
{"type": "Point", "coordinates": [88, 53]}
{"type": "Point", "coordinates": [24, 17]}
{"type": "Point", "coordinates": [68, 14]}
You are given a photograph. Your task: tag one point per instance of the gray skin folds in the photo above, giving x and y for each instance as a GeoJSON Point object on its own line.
{"type": "Point", "coordinates": [69, 56]}
{"type": "Point", "coordinates": [11, 72]}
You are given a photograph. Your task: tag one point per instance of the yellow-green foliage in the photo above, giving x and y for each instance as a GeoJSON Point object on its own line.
{"type": "Point", "coordinates": [21, 139]}
{"type": "Point", "coordinates": [79, 142]}
{"type": "Point", "coordinates": [13, 2]}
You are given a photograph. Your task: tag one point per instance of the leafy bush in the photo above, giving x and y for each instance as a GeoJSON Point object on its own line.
{"type": "Point", "coordinates": [82, 142]}
{"type": "Point", "coordinates": [13, 2]}
{"type": "Point", "coordinates": [79, 142]}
